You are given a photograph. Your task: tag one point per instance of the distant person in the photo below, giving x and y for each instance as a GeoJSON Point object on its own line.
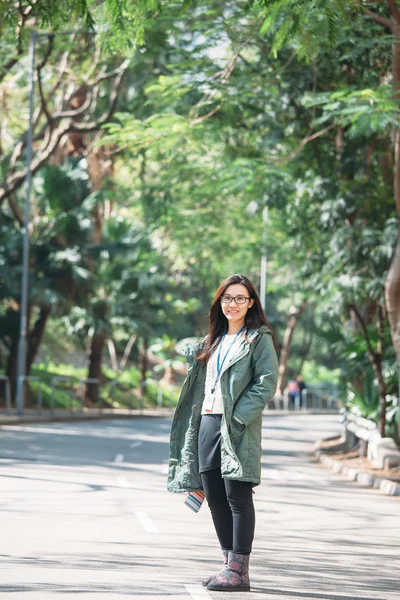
{"type": "Point", "coordinates": [294, 390]}
{"type": "Point", "coordinates": [217, 428]}
{"type": "Point", "coordinates": [302, 386]}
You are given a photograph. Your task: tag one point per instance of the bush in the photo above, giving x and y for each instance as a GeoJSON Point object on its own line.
{"type": "Point", "coordinates": [121, 392]}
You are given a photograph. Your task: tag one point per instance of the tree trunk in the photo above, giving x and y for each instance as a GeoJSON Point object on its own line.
{"type": "Point", "coordinates": [292, 319]}
{"type": "Point", "coordinates": [144, 365]}
{"type": "Point", "coordinates": [113, 354]}
{"type": "Point", "coordinates": [305, 353]}
{"type": "Point", "coordinates": [127, 351]}
{"type": "Point", "coordinates": [392, 284]}
{"type": "Point", "coordinates": [35, 336]}
{"type": "Point", "coordinates": [375, 358]}
{"type": "Point", "coordinates": [169, 377]}
{"type": "Point", "coordinates": [392, 297]}
{"type": "Point", "coordinates": [377, 366]}
{"type": "Point", "coordinates": [11, 370]}
{"type": "Point", "coordinates": [95, 358]}
{"type": "Point", "coordinates": [98, 169]}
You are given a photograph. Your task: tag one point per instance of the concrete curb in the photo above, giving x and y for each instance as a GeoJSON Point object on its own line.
{"type": "Point", "coordinates": [386, 486]}
{"type": "Point", "coordinates": [89, 414]}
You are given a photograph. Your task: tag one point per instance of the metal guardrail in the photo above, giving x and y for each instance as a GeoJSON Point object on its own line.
{"type": "Point", "coordinates": [313, 397]}
{"type": "Point", "coordinates": [53, 382]}
{"type": "Point", "coordinates": [114, 384]}
{"type": "Point", "coordinates": [25, 379]}
{"type": "Point", "coordinates": [80, 396]}
{"type": "Point", "coordinates": [53, 386]}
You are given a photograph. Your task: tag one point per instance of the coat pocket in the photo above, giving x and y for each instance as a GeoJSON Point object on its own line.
{"type": "Point", "coordinates": [236, 431]}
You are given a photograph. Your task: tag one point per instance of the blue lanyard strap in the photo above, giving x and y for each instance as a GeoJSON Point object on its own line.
{"type": "Point", "coordinates": [221, 364]}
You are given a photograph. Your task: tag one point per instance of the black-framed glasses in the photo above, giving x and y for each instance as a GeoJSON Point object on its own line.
{"type": "Point", "coordinates": [226, 299]}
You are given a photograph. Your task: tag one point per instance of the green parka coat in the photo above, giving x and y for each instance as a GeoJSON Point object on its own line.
{"type": "Point", "coordinates": [247, 384]}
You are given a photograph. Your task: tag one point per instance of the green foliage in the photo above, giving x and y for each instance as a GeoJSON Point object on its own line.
{"type": "Point", "coordinates": [169, 395]}
{"type": "Point", "coordinates": [363, 401]}
{"type": "Point", "coordinates": [121, 391]}
{"type": "Point", "coordinates": [307, 24]}
{"type": "Point", "coordinates": [364, 112]}
{"type": "Point", "coordinates": [218, 117]}
{"type": "Point", "coordinates": [64, 393]}
{"type": "Point", "coordinates": [319, 374]}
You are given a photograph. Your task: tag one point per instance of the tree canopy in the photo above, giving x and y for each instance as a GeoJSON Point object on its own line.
{"type": "Point", "coordinates": [159, 144]}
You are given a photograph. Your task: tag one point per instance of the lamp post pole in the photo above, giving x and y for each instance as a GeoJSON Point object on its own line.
{"type": "Point", "coordinates": [263, 268]}
{"type": "Point", "coordinates": [21, 367]}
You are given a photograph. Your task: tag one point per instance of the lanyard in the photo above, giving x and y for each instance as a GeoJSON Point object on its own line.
{"type": "Point", "coordinates": [221, 364]}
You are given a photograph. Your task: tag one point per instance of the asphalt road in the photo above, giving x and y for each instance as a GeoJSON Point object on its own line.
{"type": "Point", "coordinates": [84, 512]}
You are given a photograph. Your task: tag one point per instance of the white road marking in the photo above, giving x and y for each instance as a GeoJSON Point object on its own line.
{"type": "Point", "coordinates": [197, 592]}
{"type": "Point", "coordinates": [282, 475]}
{"type": "Point", "coordinates": [135, 444]}
{"type": "Point", "coordinates": [123, 482]}
{"type": "Point", "coordinates": [119, 458]}
{"type": "Point", "coordinates": [146, 522]}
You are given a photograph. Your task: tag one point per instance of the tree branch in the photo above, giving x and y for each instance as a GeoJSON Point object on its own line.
{"type": "Point", "coordinates": [303, 142]}
{"type": "Point", "coordinates": [20, 146]}
{"type": "Point", "coordinates": [25, 14]}
{"type": "Point", "coordinates": [380, 331]}
{"type": "Point", "coordinates": [363, 326]}
{"type": "Point", "coordinates": [39, 68]}
{"type": "Point", "coordinates": [286, 65]}
{"type": "Point", "coordinates": [87, 126]}
{"type": "Point", "coordinates": [43, 132]}
{"type": "Point", "coordinates": [94, 84]}
{"type": "Point", "coordinates": [208, 115]}
{"type": "Point", "coordinates": [15, 211]}
{"type": "Point", "coordinates": [16, 180]}
{"type": "Point", "coordinates": [223, 77]}
{"type": "Point", "coordinates": [127, 351]}
{"type": "Point", "coordinates": [379, 19]}
{"type": "Point", "coordinates": [66, 114]}
{"type": "Point", "coordinates": [394, 11]}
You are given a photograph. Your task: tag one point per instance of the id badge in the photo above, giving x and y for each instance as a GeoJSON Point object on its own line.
{"type": "Point", "coordinates": [208, 404]}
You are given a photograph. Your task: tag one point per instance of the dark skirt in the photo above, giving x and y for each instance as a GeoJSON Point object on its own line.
{"type": "Point", "coordinates": [209, 443]}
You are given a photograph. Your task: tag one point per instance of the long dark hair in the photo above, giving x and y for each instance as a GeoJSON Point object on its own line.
{"type": "Point", "coordinates": [218, 324]}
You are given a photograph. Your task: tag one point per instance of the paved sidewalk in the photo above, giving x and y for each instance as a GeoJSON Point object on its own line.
{"type": "Point", "coordinates": [85, 512]}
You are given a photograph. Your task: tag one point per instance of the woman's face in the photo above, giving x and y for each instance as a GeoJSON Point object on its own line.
{"type": "Point", "coordinates": [235, 312]}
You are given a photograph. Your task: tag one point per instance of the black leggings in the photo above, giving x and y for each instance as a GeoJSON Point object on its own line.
{"type": "Point", "coordinates": [232, 510]}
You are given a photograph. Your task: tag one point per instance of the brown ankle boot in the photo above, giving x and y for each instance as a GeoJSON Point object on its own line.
{"type": "Point", "coordinates": [235, 576]}
{"type": "Point", "coordinates": [207, 580]}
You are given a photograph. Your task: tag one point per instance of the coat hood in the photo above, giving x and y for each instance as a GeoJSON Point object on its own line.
{"type": "Point", "coordinates": [192, 350]}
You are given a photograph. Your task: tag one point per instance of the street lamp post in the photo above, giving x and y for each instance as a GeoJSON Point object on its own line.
{"type": "Point", "coordinates": [263, 268]}
{"type": "Point", "coordinates": [21, 366]}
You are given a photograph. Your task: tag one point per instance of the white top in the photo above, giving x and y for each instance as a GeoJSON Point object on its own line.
{"type": "Point", "coordinates": [213, 403]}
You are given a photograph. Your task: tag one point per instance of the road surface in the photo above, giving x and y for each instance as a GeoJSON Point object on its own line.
{"type": "Point", "coordinates": [85, 513]}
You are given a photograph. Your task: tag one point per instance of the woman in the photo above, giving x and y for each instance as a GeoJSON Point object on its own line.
{"type": "Point", "coordinates": [217, 427]}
